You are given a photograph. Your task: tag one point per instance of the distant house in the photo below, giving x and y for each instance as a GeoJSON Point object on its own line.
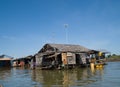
{"type": "Point", "coordinates": [5, 61]}
{"type": "Point", "coordinates": [26, 60]}
{"type": "Point", "coordinates": [59, 54]}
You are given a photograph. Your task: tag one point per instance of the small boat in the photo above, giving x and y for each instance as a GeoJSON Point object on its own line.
{"type": "Point", "coordinates": [99, 65]}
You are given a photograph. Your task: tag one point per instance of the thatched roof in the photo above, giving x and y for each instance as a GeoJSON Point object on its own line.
{"type": "Point", "coordinates": [63, 48]}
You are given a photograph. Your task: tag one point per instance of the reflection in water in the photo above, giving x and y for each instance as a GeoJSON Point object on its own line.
{"type": "Point", "coordinates": [66, 78]}
{"type": "Point", "coordinates": [109, 76]}
{"type": "Point", "coordinates": [5, 73]}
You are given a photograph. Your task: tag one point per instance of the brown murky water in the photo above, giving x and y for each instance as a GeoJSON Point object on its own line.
{"type": "Point", "coordinates": [109, 76]}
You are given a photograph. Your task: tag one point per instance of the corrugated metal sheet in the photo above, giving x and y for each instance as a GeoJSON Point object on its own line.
{"type": "Point", "coordinates": [5, 59]}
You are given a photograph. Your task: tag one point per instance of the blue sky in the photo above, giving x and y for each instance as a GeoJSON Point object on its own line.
{"type": "Point", "coordinates": [26, 25]}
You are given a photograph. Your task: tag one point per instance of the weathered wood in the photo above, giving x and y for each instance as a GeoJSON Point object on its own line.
{"type": "Point", "coordinates": [64, 58]}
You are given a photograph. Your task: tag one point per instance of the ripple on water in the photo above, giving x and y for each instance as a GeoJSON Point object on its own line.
{"type": "Point", "coordinates": [17, 77]}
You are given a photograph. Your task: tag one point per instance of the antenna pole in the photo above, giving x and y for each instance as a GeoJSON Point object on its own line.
{"type": "Point", "coordinates": [66, 30]}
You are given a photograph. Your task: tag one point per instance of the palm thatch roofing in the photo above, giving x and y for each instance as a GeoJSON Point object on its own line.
{"type": "Point", "coordinates": [63, 48]}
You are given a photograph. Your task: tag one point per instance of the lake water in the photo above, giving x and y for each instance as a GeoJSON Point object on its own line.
{"type": "Point", "coordinates": [109, 76]}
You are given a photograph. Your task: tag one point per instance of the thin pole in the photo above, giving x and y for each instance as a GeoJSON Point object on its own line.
{"type": "Point", "coordinates": [66, 30]}
{"type": "Point", "coordinates": [66, 35]}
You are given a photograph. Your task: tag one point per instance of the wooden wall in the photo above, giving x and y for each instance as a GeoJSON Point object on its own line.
{"type": "Point", "coordinates": [68, 58]}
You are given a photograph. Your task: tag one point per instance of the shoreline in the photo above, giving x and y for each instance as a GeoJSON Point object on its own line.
{"type": "Point", "coordinates": [113, 59]}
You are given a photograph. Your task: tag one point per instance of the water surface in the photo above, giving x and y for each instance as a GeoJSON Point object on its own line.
{"type": "Point", "coordinates": [109, 76]}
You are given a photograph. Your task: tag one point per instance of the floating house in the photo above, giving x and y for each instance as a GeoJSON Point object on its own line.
{"type": "Point", "coordinates": [5, 61]}
{"type": "Point", "coordinates": [57, 55]}
{"type": "Point", "coordinates": [23, 61]}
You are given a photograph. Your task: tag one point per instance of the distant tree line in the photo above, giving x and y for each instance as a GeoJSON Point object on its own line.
{"type": "Point", "coordinates": [113, 57]}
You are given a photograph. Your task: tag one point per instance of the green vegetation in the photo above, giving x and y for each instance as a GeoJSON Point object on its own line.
{"type": "Point", "coordinates": [113, 57]}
